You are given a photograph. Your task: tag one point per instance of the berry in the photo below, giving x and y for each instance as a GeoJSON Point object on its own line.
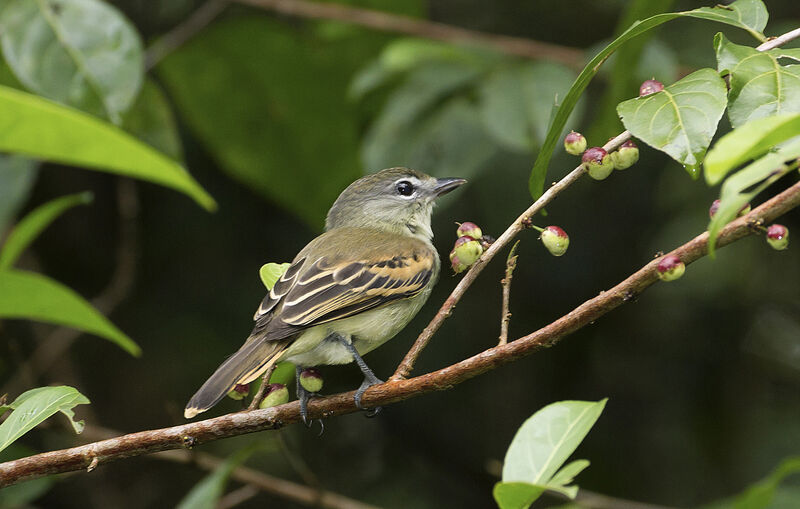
{"type": "Point", "coordinates": [467, 250]}
{"type": "Point", "coordinates": [555, 240]}
{"type": "Point", "coordinates": [277, 394]}
{"type": "Point", "coordinates": [456, 264]}
{"type": "Point", "coordinates": [670, 268]}
{"type": "Point", "coordinates": [778, 236]}
{"type": "Point", "coordinates": [311, 379]}
{"type": "Point", "coordinates": [715, 207]}
{"type": "Point", "coordinates": [650, 87]}
{"type": "Point", "coordinates": [574, 143]}
{"type": "Point", "coordinates": [625, 156]}
{"type": "Point", "coordinates": [468, 229]}
{"type": "Point", "coordinates": [598, 163]}
{"type": "Point", "coordinates": [239, 392]}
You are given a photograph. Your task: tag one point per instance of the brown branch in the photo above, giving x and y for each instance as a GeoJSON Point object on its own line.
{"type": "Point", "coordinates": [505, 314]}
{"type": "Point", "coordinates": [780, 40]}
{"type": "Point", "coordinates": [386, 22]}
{"type": "Point", "coordinates": [189, 435]}
{"type": "Point", "coordinates": [262, 389]}
{"type": "Point", "coordinates": [405, 367]}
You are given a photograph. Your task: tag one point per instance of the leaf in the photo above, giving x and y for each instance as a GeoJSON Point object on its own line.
{"type": "Point", "coordinates": [744, 14]}
{"type": "Point", "coordinates": [34, 223]}
{"type": "Point", "coordinates": [745, 184]}
{"type": "Point", "coordinates": [300, 126]}
{"type": "Point", "coordinates": [17, 176]}
{"type": "Point", "coordinates": [759, 85]}
{"type": "Point", "coordinates": [83, 53]}
{"type": "Point", "coordinates": [681, 119]}
{"type": "Point", "coordinates": [761, 494]}
{"type": "Point", "coordinates": [271, 272]}
{"type": "Point", "coordinates": [38, 128]}
{"type": "Point", "coordinates": [568, 473]}
{"type": "Point", "coordinates": [747, 142]}
{"type": "Point", "coordinates": [36, 405]}
{"type": "Point", "coordinates": [516, 495]}
{"type": "Point", "coordinates": [151, 120]}
{"type": "Point", "coordinates": [31, 296]}
{"type": "Point", "coordinates": [206, 493]}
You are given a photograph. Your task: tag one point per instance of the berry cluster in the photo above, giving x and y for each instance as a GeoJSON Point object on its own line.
{"type": "Point", "coordinates": [469, 246]}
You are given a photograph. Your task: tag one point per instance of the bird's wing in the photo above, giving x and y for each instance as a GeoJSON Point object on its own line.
{"type": "Point", "coordinates": [312, 292]}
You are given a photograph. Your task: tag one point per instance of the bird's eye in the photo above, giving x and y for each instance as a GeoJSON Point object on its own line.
{"type": "Point", "coordinates": [405, 188]}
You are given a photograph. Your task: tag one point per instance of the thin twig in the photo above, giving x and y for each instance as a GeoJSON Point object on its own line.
{"type": "Point", "coordinates": [405, 367]}
{"type": "Point", "coordinates": [387, 22]}
{"type": "Point", "coordinates": [237, 496]}
{"type": "Point", "coordinates": [182, 32]}
{"type": "Point", "coordinates": [780, 40]}
{"type": "Point", "coordinates": [505, 314]}
{"type": "Point", "coordinates": [192, 434]}
{"type": "Point", "coordinates": [262, 389]}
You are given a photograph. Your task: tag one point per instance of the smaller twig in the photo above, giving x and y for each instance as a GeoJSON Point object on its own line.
{"type": "Point", "coordinates": [262, 391]}
{"type": "Point", "coordinates": [182, 32]}
{"type": "Point", "coordinates": [780, 40]}
{"type": "Point", "coordinates": [505, 316]}
{"type": "Point", "coordinates": [297, 463]}
{"type": "Point", "coordinates": [237, 497]}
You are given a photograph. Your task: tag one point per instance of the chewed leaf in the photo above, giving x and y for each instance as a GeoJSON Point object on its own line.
{"type": "Point", "coordinates": [271, 272]}
{"type": "Point", "coordinates": [681, 119]}
{"type": "Point", "coordinates": [36, 405]}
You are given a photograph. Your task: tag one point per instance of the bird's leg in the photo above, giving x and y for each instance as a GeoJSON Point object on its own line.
{"type": "Point", "coordinates": [369, 377]}
{"type": "Point", "coordinates": [303, 395]}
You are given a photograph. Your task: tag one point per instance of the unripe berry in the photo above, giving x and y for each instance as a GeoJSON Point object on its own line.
{"type": "Point", "coordinates": [469, 229]}
{"type": "Point", "coordinates": [574, 143]}
{"type": "Point", "coordinates": [311, 379]}
{"type": "Point", "coordinates": [625, 156]}
{"type": "Point", "coordinates": [778, 236]}
{"type": "Point", "coordinates": [456, 264]}
{"type": "Point", "coordinates": [555, 240]}
{"type": "Point", "coordinates": [650, 87]}
{"type": "Point", "coordinates": [239, 392]}
{"type": "Point", "coordinates": [467, 251]}
{"type": "Point", "coordinates": [598, 163]}
{"type": "Point", "coordinates": [277, 394]}
{"type": "Point", "coordinates": [670, 268]}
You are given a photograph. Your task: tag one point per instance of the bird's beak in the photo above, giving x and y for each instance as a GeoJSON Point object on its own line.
{"type": "Point", "coordinates": [445, 185]}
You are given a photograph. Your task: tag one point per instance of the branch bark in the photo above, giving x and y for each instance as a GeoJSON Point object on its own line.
{"type": "Point", "coordinates": [190, 435]}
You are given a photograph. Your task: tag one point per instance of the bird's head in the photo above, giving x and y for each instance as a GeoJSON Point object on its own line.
{"type": "Point", "coordinates": [399, 200]}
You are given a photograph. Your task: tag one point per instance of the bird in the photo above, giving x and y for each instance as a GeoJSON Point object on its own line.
{"type": "Point", "coordinates": [346, 292]}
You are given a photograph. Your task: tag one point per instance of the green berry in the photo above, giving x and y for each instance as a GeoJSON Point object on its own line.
{"type": "Point", "coordinates": [469, 229]}
{"type": "Point", "coordinates": [555, 240]}
{"type": "Point", "coordinates": [239, 392]}
{"type": "Point", "coordinates": [467, 250]}
{"type": "Point", "coordinates": [574, 143]}
{"type": "Point", "coordinates": [311, 379]}
{"type": "Point", "coordinates": [598, 163]}
{"type": "Point", "coordinates": [277, 394]}
{"type": "Point", "coordinates": [625, 156]}
{"type": "Point", "coordinates": [778, 236]}
{"type": "Point", "coordinates": [456, 264]}
{"type": "Point", "coordinates": [670, 268]}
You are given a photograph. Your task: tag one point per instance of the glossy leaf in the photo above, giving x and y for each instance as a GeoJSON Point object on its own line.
{"type": "Point", "coordinates": [748, 142]}
{"type": "Point", "coordinates": [34, 223]}
{"type": "Point", "coordinates": [759, 85]}
{"type": "Point", "coordinates": [45, 130]}
{"type": "Point", "coordinates": [83, 53]}
{"type": "Point", "coordinates": [749, 15]}
{"type": "Point", "coordinates": [31, 296]}
{"type": "Point", "coordinates": [151, 120]}
{"type": "Point", "coordinates": [741, 187]}
{"type": "Point", "coordinates": [36, 405]}
{"type": "Point", "coordinates": [271, 272]}
{"type": "Point", "coordinates": [206, 493]}
{"type": "Point", "coordinates": [681, 119]}
{"type": "Point", "coordinates": [17, 176]}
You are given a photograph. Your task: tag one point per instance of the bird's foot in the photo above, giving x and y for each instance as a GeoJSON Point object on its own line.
{"type": "Point", "coordinates": [369, 381]}
{"type": "Point", "coordinates": [304, 396]}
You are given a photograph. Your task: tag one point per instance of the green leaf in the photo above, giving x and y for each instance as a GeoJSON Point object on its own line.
{"type": "Point", "coordinates": [761, 494]}
{"type": "Point", "coordinates": [744, 185]}
{"type": "Point", "coordinates": [208, 491]}
{"type": "Point", "coordinates": [36, 405]}
{"type": "Point", "coordinates": [271, 272]}
{"type": "Point", "coordinates": [680, 120]}
{"type": "Point", "coordinates": [748, 142]}
{"type": "Point", "coordinates": [516, 495]}
{"type": "Point", "coordinates": [83, 53]}
{"type": "Point", "coordinates": [301, 124]}
{"type": "Point", "coordinates": [568, 473]}
{"type": "Point", "coordinates": [150, 119]}
{"type": "Point", "coordinates": [27, 295]}
{"type": "Point", "coordinates": [42, 129]}
{"type": "Point", "coordinates": [746, 14]}
{"type": "Point", "coordinates": [34, 223]}
{"type": "Point", "coordinates": [17, 176]}
{"type": "Point", "coordinates": [759, 85]}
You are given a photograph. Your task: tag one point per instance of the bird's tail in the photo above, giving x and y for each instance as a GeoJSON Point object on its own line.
{"type": "Point", "coordinates": [252, 359]}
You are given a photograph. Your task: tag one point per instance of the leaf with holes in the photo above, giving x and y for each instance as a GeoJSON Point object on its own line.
{"type": "Point", "coordinates": [681, 119]}
{"type": "Point", "coordinates": [83, 53]}
{"type": "Point", "coordinates": [759, 85]}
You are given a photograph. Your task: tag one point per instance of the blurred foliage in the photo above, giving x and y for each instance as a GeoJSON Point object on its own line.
{"type": "Point", "coordinates": [274, 115]}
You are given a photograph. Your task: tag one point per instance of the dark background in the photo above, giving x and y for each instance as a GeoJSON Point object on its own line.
{"type": "Point", "coordinates": [702, 375]}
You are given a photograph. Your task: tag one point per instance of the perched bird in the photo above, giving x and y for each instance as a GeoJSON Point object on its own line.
{"type": "Point", "coordinates": [349, 290]}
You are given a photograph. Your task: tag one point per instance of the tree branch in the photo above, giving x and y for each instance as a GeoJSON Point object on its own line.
{"type": "Point", "coordinates": [505, 314]}
{"type": "Point", "coordinates": [189, 435]}
{"type": "Point", "coordinates": [383, 21]}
